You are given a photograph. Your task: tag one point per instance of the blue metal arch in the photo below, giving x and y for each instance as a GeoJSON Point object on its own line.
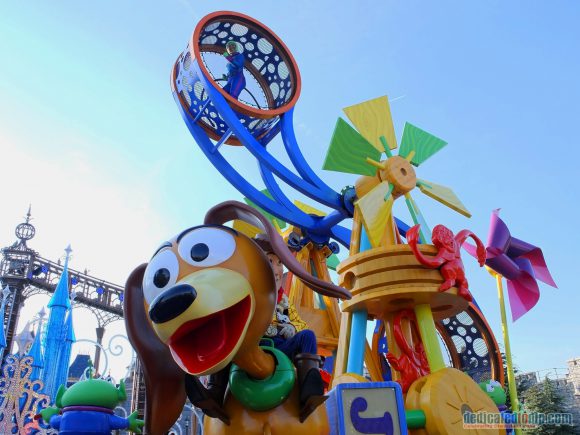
{"type": "Point", "coordinates": [329, 198]}
{"type": "Point", "coordinates": [293, 150]}
{"type": "Point", "coordinates": [236, 179]}
{"type": "Point", "coordinates": [320, 229]}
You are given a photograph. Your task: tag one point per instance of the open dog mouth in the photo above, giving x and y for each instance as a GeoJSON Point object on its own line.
{"type": "Point", "coordinates": [200, 344]}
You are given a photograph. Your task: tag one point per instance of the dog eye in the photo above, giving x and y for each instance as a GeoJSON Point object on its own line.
{"type": "Point", "coordinates": [205, 247]}
{"type": "Point", "coordinates": [161, 277]}
{"type": "Point", "coordinates": [199, 252]}
{"type": "Point", "coordinates": [161, 273]}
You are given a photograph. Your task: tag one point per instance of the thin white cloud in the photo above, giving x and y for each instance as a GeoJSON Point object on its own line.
{"type": "Point", "coordinates": [111, 225]}
{"type": "Point", "coordinates": [400, 97]}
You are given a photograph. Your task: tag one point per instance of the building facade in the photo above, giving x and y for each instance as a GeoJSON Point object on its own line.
{"type": "Point", "coordinates": [567, 385]}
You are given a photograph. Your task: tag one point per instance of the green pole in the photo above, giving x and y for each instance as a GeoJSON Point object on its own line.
{"type": "Point", "coordinates": [429, 337]}
{"type": "Point", "coordinates": [508, 353]}
{"type": "Point", "coordinates": [416, 418]}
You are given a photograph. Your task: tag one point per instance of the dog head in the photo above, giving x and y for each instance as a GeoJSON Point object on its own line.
{"type": "Point", "coordinates": [209, 292]}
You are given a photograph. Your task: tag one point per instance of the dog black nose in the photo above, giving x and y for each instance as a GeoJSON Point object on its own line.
{"type": "Point", "coordinates": [172, 303]}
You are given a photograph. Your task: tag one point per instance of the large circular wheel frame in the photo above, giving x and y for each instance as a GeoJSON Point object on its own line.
{"type": "Point", "coordinates": [469, 342]}
{"type": "Point", "coordinates": [444, 397]}
{"type": "Point", "coordinates": [268, 63]}
{"type": "Point", "coordinates": [472, 346]}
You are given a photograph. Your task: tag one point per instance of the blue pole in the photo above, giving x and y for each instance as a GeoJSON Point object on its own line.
{"type": "Point", "coordinates": [358, 337]}
{"type": "Point", "coordinates": [365, 243]}
{"type": "Point", "coordinates": [358, 329]}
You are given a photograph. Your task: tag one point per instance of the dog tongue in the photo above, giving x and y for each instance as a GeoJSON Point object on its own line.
{"type": "Point", "coordinates": [209, 342]}
{"type": "Point", "coordinates": [203, 345]}
{"type": "Point", "coordinates": [200, 344]}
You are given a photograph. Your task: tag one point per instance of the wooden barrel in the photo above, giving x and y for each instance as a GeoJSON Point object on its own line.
{"type": "Point", "coordinates": [387, 280]}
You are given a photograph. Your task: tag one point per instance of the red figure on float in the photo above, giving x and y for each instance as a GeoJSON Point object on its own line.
{"type": "Point", "coordinates": [412, 363]}
{"type": "Point", "coordinates": [448, 258]}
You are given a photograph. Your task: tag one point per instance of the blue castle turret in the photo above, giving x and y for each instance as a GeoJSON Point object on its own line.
{"type": "Point", "coordinates": [59, 335]}
{"type": "Point", "coordinates": [61, 375]}
{"type": "Point", "coordinates": [36, 351]}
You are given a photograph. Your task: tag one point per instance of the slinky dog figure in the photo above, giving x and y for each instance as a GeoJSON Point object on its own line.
{"type": "Point", "coordinates": [204, 301]}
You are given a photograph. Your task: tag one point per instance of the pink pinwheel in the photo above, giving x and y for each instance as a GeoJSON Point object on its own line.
{"type": "Point", "coordinates": [519, 262]}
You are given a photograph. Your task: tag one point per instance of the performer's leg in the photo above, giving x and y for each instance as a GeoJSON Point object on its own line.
{"type": "Point", "coordinates": [302, 342]}
{"type": "Point", "coordinates": [228, 86]}
{"type": "Point", "coordinates": [306, 341]}
{"type": "Point", "coordinates": [310, 383]}
{"type": "Point", "coordinates": [237, 86]}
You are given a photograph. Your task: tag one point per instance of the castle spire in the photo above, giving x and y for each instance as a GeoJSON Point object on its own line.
{"type": "Point", "coordinates": [56, 349]}
{"type": "Point", "coordinates": [36, 349]}
{"type": "Point", "coordinates": [61, 296]}
{"type": "Point", "coordinates": [24, 339]}
{"type": "Point", "coordinates": [61, 375]}
{"type": "Point", "coordinates": [70, 332]}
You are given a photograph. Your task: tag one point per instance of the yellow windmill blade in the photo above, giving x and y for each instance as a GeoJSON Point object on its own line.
{"type": "Point", "coordinates": [373, 119]}
{"type": "Point", "coordinates": [376, 212]}
{"type": "Point", "coordinates": [444, 195]}
{"type": "Point", "coordinates": [247, 229]}
{"type": "Point", "coordinates": [308, 209]}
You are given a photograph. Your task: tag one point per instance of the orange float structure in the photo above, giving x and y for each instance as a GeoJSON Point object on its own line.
{"type": "Point", "coordinates": [388, 279]}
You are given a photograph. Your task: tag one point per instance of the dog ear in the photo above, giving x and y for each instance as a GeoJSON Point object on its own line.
{"type": "Point", "coordinates": [164, 380]}
{"type": "Point", "coordinates": [232, 210]}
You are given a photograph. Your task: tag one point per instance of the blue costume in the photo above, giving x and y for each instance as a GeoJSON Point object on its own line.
{"type": "Point", "coordinates": [236, 80]}
{"type": "Point", "coordinates": [302, 342]}
{"type": "Point", "coordinates": [87, 420]}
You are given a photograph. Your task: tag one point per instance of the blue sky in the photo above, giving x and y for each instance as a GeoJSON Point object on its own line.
{"type": "Point", "coordinates": [89, 126]}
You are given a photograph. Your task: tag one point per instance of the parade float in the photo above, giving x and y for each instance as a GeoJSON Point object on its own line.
{"type": "Point", "coordinates": [198, 312]}
{"type": "Point", "coordinates": [409, 280]}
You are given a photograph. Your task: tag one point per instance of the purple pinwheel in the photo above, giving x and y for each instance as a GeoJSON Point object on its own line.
{"type": "Point", "coordinates": [520, 263]}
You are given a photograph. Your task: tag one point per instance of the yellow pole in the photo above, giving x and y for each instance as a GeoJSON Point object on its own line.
{"type": "Point", "coordinates": [429, 337]}
{"type": "Point", "coordinates": [508, 353]}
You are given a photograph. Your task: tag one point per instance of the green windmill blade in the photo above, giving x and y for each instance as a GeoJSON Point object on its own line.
{"type": "Point", "coordinates": [348, 151]}
{"type": "Point", "coordinates": [332, 262]}
{"type": "Point", "coordinates": [419, 141]}
{"type": "Point", "coordinates": [275, 221]}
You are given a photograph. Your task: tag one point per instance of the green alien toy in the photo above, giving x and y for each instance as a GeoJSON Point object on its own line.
{"type": "Point", "coordinates": [87, 407]}
{"type": "Point", "coordinates": [495, 391]}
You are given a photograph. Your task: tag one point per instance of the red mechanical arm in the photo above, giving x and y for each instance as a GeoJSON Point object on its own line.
{"type": "Point", "coordinates": [413, 241]}
{"type": "Point", "coordinates": [463, 235]}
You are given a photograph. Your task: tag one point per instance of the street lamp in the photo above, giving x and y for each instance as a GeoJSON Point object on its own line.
{"type": "Point", "coordinates": [5, 295]}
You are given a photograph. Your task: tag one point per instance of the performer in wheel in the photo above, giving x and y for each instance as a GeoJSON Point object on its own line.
{"type": "Point", "coordinates": [235, 76]}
